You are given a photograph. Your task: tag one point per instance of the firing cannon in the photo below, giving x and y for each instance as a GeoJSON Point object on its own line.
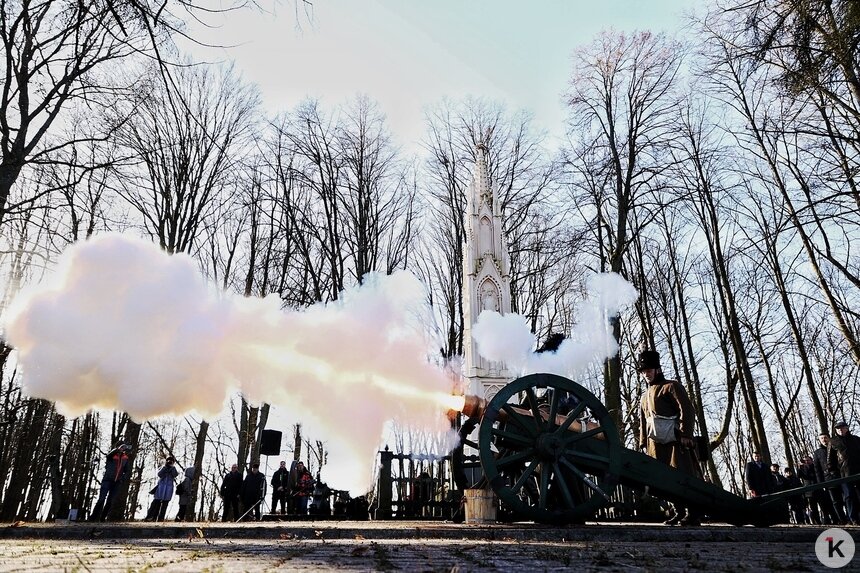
{"type": "Point", "coordinates": [552, 454]}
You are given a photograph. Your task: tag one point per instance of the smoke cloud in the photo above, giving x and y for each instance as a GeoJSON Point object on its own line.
{"type": "Point", "coordinates": [122, 325]}
{"type": "Point", "coordinates": [508, 338]}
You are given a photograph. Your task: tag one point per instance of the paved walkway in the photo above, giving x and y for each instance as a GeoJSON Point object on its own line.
{"type": "Point", "coordinates": [405, 546]}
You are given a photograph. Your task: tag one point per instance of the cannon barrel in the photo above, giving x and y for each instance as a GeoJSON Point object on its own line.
{"type": "Point", "coordinates": [475, 406]}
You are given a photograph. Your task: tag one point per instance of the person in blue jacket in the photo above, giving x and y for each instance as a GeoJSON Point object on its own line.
{"type": "Point", "coordinates": [163, 490]}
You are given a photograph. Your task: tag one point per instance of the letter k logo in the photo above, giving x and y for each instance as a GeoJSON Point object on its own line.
{"type": "Point", "coordinates": [833, 548]}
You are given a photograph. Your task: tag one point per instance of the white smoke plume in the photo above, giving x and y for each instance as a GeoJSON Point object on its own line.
{"type": "Point", "coordinates": [508, 338]}
{"type": "Point", "coordinates": [122, 325]}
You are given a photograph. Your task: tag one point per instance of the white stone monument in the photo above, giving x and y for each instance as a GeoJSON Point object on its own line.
{"type": "Point", "coordinates": [486, 275]}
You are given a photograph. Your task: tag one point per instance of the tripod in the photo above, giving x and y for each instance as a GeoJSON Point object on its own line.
{"type": "Point", "coordinates": [250, 509]}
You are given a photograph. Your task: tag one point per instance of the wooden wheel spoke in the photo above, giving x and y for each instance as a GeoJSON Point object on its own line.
{"type": "Point", "coordinates": [533, 406]}
{"type": "Point", "coordinates": [573, 415]}
{"type": "Point", "coordinates": [544, 486]}
{"type": "Point", "coordinates": [553, 408]}
{"type": "Point", "coordinates": [513, 436]}
{"type": "Point", "coordinates": [576, 436]}
{"type": "Point", "coordinates": [505, 460]}
{"type": "Point", "coordinates": [527, 473]}
{"type": "Point", "coordinates": [522, 421]}
{"type": "Point", "coordinates": [585, 479]}
{"type": "Point", "coordinates": [562, 485]}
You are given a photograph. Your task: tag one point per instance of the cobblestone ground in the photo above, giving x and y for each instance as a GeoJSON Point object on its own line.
{"type": "Point", "coordinates": [292, 553]}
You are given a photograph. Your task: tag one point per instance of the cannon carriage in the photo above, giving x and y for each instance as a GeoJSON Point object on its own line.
{"type": "Point", "coordinates": [550, 451]}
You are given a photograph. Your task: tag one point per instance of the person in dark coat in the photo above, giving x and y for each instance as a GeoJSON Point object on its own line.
{"type": "Point", "coordinates": [757, 477]}
{"type": "Point", "coordinates": [280, 488]}
{"type": "Point", "coordinates": [796, 504]}
{"type": "Point", "coordinates": [776, 477]}
{"type": "Point", "coordinates": [230, 489]}
{"type": "Point", "coordinates": [821, 459]}
{"type": "Point", "coordinates": [812, 499]}
{"type": "Point", "coordinates": [163, 491]}
{"type": "Point", "coordinates": [183, 490]}
{"type": "Point", "coordinates": [847, 447]}
{"type": "Point", "coordinates": [116, 473]}
{"type": "Point", "coordinates": [666, 399]}
{"type": "Point", "coordinates": [253, 491]}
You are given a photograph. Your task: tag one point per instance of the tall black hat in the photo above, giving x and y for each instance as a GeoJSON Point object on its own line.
{"type": "Point", "coordinates": [648, 359]}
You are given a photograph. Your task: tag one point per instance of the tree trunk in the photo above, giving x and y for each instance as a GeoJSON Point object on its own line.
{"type": "Point", "coordinates": [777, 407]}
{"type": "Point", "coordinates": [798, 339]}
{"type": "Point", "coordinates": [199, 450]}
{"type": "Point", "coordinates": [247, 434]}
{"type": "Point", "coordinates": [710, 222]}
{"type": "Point", "coordinates": [255, 448]}
{"type": "Point", "coordinates": [297, 442]}
{"type": "Point", "coordinates": [28, 468]}
{"type": "Point", "coordinates": [125, 502]}
{"type": "Point", "coordinates": [80, 464]}
{"type": "Point", "coordinates": [612, 380]}
{"type": "Point", "coordinates": [58, 499]}
{"type": "Point", "coordinates": [9, 170]}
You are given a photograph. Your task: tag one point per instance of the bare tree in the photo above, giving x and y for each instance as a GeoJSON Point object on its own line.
{"type": "Point", "coordinates": [378, 197]}
{"type": "Point", "coordinates": [184, 155]}
{"type": "Point", "coordinates": [800, 142]}
{"type": "Point", "coordinates": [622, 102]}
{"type": "Point", "coordinates": [63, 52]}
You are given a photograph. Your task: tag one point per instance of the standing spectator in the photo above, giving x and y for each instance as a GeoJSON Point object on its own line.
{"type": "Point", "coordinates": [847, 447]}
{"type": "Point", "coordinates": [163, 490]}
{"type": "Point", "coordinates": [253, 491]}
{"type": "Point", "coordinates": [796, 504]}
{"type": "Point", "coordinates": [230, 489]}
{"type": "Point", "coordinates": [824, 460]}
{"type": "Point", "coordinates": [280, 488]}
{"type": "Point", "coordinates": [303, 489]}
{"type": "Point", "coordinates": [666, 424]}
{"type": "Point", "coordinates": [183, 490]}
{"type": "Point", "coordinates": [776, 478]}
{"type": "Point", "coordinates": [116, 473]}
{"type": "Point", "coordinates": [778, 485]}
{"type": "Point", "coordinates": [806, 473]}
{"type": "Point", "coordinates": [757, 477]}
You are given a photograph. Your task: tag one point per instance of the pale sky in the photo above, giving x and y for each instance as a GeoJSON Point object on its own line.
{"type": "Point", "coordinates": [407, 54]}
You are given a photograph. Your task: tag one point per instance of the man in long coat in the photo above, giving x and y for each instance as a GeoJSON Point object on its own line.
{"type": "Point", "coordinates": [280, 488]}
{"type": "Point", "coordinates": [757, 476]}
{"type": "Point", "coordinates": [253, 491]}
{"type": "Point", "coordinates": [667, 398]}
{"type": "Point", "coordinates": [824, 460]}
{"type": "Point", "coordinates": [230, 489]}
{"type": "Point", "coordinates": [847, 448]}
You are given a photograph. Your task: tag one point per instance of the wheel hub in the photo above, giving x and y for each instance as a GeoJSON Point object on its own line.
{"type": "Point", "coordinates": [549, 447]}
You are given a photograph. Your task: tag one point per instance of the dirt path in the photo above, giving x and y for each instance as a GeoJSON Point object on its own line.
{"type": "Point", "coordinates": [397, 546]}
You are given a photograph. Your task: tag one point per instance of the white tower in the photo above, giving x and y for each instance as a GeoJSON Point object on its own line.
{"type": "Point", "coordinates": [486, 275]}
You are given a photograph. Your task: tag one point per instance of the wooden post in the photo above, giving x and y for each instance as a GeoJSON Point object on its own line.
{"type": "Point", "coordinates": [383, 489]}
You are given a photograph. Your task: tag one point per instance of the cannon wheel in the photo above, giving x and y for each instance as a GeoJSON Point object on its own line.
{"type": "Point", "coordinates": [537, 466]}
